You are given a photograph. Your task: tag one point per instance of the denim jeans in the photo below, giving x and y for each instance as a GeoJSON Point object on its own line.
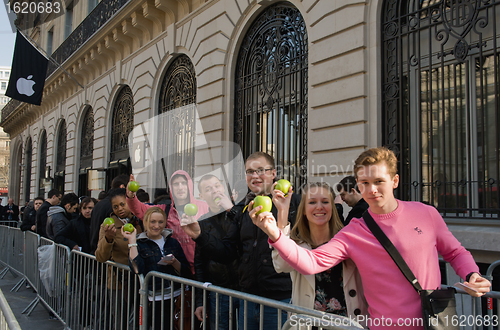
{"type": "Point", "coordinates": [270, 317]}
{"type": "Point", "coordinates": [223, 312]}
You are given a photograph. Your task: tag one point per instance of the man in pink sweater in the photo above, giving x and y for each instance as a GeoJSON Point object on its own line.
{"type": "Point", "coordinates": [416, 230]}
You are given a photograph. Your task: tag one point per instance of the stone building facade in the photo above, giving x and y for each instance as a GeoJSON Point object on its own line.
{"type": "Point", "coordinates": [314, 82]}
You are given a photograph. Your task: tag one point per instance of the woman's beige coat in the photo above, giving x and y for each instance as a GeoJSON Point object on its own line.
{"type": "Point", "coordinates": [304, 286]}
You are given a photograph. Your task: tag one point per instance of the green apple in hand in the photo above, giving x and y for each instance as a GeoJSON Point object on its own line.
{"type": "Point", "coordinates": [283, 185]}
{"type": "Point", "coordinates": [265, 201]}
{"type": "Point", "coordinates": [128, 227]}
{"type": "Point", "coordinates": [217, 199]}
{"type": "Point", "coordinates": [108, 221]}
{"type": "Point", "coordinates": [133, 186]}
{"type": "Point", "coordinates": [190, 209]}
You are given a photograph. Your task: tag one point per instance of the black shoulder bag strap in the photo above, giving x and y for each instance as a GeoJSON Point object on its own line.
{"type": "Point", "coordinates": [391, 249]}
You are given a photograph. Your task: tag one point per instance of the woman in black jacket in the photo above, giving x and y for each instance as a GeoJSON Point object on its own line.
{"type": "Point", "coordinates": [151, 246]}
{"type": "Point", "coordinates": [76, 235]}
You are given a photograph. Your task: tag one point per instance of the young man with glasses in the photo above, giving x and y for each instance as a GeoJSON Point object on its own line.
{"type": "Point", "coordinates": [244, 240]}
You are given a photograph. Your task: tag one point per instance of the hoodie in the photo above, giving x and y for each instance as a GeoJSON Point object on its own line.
{"type": "Point", "coordinates": [57, 219]}
{"type": "Point", "coordinates": [173, 218]}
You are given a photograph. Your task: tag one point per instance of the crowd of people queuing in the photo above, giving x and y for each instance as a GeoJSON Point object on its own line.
{"type": "Point", "coordinates": [302, 252]}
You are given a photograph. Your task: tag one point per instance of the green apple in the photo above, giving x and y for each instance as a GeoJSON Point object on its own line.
{"type": "Point", "coordinates": [190, 209]}
{"type": "Point", "coordinates": [133, 186]}
{"type": "Point", "coordinates": [217, 199]}
{"type": "Point", "coordinates": [283, 185]}
{"type": "Point", "coordinates": [128, 227]}
{"type": "Point", "coordinates": [108, 221]}
{"type": "Point", "coordinates": [265, 201]}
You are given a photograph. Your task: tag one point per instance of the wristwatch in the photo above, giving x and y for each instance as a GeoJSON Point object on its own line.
{"type": "Point", "coordinates": [132, 245]}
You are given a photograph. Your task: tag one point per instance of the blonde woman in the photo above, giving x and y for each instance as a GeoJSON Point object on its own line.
{"type": "Point", "coordinates": [148, 248]}
{"type": "Point", "coordinates": [337, 290]}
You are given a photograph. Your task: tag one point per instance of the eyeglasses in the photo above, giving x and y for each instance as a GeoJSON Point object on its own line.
{"type": "Point", "coordinates": [259, 171]}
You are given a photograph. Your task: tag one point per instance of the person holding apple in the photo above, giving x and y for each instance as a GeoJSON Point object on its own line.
{"type": "Point", "coordinates": [256, 272]}
{"type": "Point", "coordinates": [215, 223]}
{"type": "Point", "coordinates": [417, 231]}
{"type": "Point", "coordinates": [337, 290]}
{"type": "Point", "coordinates": [181, 194]}
{"type": "Point", "coordinates": [147, 249]}
{"type": "Point", "coordinates": [112, 246]}
{"type": "Point", "coordinates": [102, 210]}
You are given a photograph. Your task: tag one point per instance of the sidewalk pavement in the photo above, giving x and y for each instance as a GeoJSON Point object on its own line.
{"type": "Point", "coordinates": [18, 301]}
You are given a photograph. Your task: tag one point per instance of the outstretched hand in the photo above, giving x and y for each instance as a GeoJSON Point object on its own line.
{"type": "Point", "coordinates": [281, 202]}
{"type": "Point", "coordinates": [190, 226]}
{"type": "Point", "coordinates": [265, 221]}
{"type": "Point", "coordinates": [109, 232]}
{"type": "Point", "coordinates": [129, 193]}
{"type": "Point", "coordinates": [479, 283]}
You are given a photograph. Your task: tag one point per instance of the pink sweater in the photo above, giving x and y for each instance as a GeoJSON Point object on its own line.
{"type": "Point", "coordinates": [417, 231]}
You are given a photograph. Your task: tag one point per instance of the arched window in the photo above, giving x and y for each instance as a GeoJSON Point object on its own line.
{"type": "Point", "coordinates": [178, 89]}
{"type": "Point", "coordinates": [28, 158]}
{"type": "Point", "coordinates": [271, 93]}
{"type": "Point", "coordinates": [121, 126]}
{"type": "Point", "coordinates": [86, 151]}
{"type": "Point", "coordinates": [42, 161]}
{"type": "Point", "coordinates": [87, 139]}
{"type": "Point", "coordinates": [61, 157]}
{"type": "Point", "coordinates": [440, 96]}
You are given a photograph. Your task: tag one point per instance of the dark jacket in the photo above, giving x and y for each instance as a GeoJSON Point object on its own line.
{"type": "Point", "coordinates": [57, 219]}
{"type": "Point", "coordinates": [357, 211]}
{"type": "Point", "coordinates": [29, 219]}
{"type": "Point", "coordinates": [75, 233]}
{"type": "Point", "coordinates": [101, 211]}
{"type": "Point", "coordinates": [256, 271]}
{"type": "Point", "coordinates": [150, 254]}
{"type": "Point", "coordinates": [207, 269]}
{"type": "Point", "coordinates": [41, 219]}
{"type": "Point", "coordinates": [13, 216]}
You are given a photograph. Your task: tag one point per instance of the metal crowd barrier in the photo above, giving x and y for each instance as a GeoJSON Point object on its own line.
{"type": "Point", "coordinates": [31, 243]}
{"type": "Point", "coordinates": [103, 295]}
{"type": "Point", "coordinates": [167, 281]}
{"type": "Point", "coordinates": [92, 295]}
{"type": "Point", "coordinates": [7, 318]}
{"type": "Point", "coordinates": [4, 249]}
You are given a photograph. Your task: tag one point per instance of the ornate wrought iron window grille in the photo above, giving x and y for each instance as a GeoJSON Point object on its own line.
{"type": "Point", "coordinates": [27, 161]}
{"type": "Point", "coordinates": [271, 91]}
{"type": "Point", "coordinates": [87, 139]}
{"type": "Point", "coordinates": [122, 124]}
{"type": "Point", "coordinates": [42, 147]}
{"type": "Point", "coordinates": [61, 149]}
{"type": "Point", "coordinates": [441, 102]}
{"type": "Point", "coordinates": [178, 89]}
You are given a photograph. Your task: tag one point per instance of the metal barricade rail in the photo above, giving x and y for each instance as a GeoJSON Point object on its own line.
{"type": "Point", "coordinates": [7, 318]}
{"type": "Point", "coordinates": [337, 322]}
{"type": "Point", "coordinates": [92, 295]}
{"type": "Point", "coordinates": [16, 259]}
{"type": "Point", "coordinates": [103, 295]}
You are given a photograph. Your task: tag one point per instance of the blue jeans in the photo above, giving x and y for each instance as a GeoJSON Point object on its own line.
{"type": "Point", "coordinates": [223, 312]}
{"type": "Point", "coordinates": [270, 317]}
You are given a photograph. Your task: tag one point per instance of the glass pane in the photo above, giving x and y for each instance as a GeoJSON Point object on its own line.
{"type": "Point", "coordinates": [444, 135]}
{"type": "Point", "coordinates": [488, 138]}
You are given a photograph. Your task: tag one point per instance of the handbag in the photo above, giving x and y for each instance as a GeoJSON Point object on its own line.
{"type": "Point", "coordinates": [438, 306]}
